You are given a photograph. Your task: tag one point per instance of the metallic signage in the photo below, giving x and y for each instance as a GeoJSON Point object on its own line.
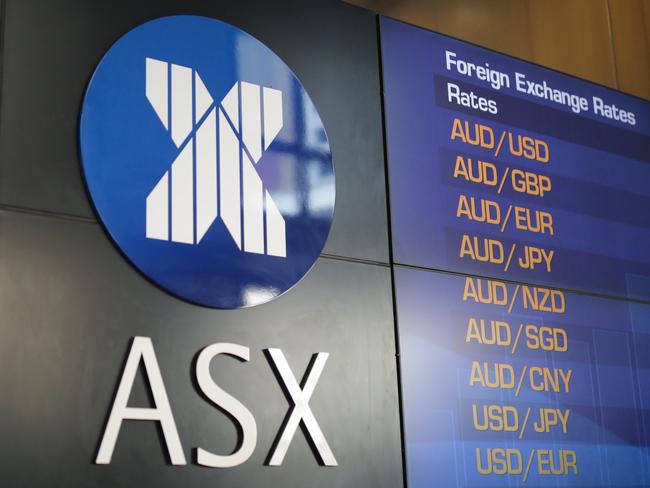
{"type": "Point", "coordinates": [298, 394]}
{"type": "Point", "coordinates": [207, 162]}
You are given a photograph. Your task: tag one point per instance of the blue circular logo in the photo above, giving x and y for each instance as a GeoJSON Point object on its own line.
{"type": "Point", "coordinates": [207, 162]}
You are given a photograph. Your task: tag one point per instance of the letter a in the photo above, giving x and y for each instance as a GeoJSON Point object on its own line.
{"type": "Point", "coordinates": [162, 412]}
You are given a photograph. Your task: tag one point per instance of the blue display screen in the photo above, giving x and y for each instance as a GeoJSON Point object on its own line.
{"type": "Point", "coordinates": [505, 169]}
{"type": "Point", "coordinates": [515, 385]}
{"type": "Point", "coordinates": [520, 217]}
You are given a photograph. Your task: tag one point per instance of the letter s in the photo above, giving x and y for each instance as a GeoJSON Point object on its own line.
{"type": "Point", "coordinates": [231, 405]}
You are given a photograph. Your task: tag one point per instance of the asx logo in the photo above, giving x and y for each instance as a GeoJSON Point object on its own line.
{"type": "Point", "coordinates": [214, 173]}
{"type": "Point", "coordinates": [207, 162]}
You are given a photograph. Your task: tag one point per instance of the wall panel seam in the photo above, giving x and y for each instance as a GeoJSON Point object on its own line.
{"type": "Point", "coordinates": [389, 231]}
{"type": "Point", "coordinates": [646, 27]}
{"type": "Point", "coordinates": [610, 29]}
{"type": "Point", "coordinates": [90, 220]}
{"type": "Point", "coordinates": [46, 213]}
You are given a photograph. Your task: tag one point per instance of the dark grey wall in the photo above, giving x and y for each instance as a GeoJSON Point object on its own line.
{"type": "Point", "coordinates": [69, 302]}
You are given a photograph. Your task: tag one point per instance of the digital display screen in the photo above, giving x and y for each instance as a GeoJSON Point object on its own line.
{"type": "Point", "coordinates": [520, 218]}
{"type": "Point", "coordinates": [517, 385]}
{"type": "Point", "coordinates": [505, 169]}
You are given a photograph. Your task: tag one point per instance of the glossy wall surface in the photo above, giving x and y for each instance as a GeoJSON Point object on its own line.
{"type": "Point", "coordinates": [70, 304]}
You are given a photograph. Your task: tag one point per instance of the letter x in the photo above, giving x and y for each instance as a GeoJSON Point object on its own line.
{"type": "Point", "coordinates": [213, 175]}
{"type": "Point", "coordinates": [300, 411]}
